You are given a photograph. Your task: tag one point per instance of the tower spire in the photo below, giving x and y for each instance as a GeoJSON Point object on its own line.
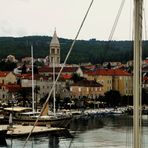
{"type": "Point", "coordinates": [54, 50]}
{"type": "Point", "coordinates": [54, 41]}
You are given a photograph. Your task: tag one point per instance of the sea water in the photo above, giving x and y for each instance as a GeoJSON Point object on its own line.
{"type": "Point", "coordinates": [93, 132]}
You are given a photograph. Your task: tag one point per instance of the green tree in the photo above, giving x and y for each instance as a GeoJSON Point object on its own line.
{"type": "Point", "coordinates": [43, 99]}
{"type": "Point", "coordinates": [76, 77]}
{"type": "Point", "coordinates": [7, 66]}
{"type": "Point", "coordinates": [24, 96]}
{"type": "Point", "coordinates": [24, 69]}
{"type": "Point", "coordinates": [126, 100]}
{"type": "Point", "coordinates": [113, 98]}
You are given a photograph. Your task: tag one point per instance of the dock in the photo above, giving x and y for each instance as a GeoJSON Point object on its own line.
{"type": "Point", "coordinates": [3, 137]}
{"type": "Point", "coordinates": [22, 130]}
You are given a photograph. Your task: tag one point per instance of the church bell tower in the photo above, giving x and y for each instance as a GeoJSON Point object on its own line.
{"type": "Point", "coordinates": [54, 57]}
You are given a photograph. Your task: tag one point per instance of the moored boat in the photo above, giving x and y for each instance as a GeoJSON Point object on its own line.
{"type": "Point", "coordinates": [21, 115]}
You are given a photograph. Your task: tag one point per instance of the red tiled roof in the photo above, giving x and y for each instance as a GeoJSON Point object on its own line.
{"type": "Point", "coordinates": [12, 87]}
{"type": "Point", "coordinates": [24, 75]}
{"type": "Point", "coordinates": [90, 67]}
{"type": "Point", "coordinates": [66, 76]}
{"type": "Point", "coordinates": [57, 69]}
{"type": "Point", "coordinates": [4, 73]}
{"type": "Point", "coordinates": [145, 78]}
{"type": "Point", "coordinates": [29, 76]}
{"type": "Point", "coordinates": [110, 72]}
{"type": "Point", "coordinates": [146, 60]}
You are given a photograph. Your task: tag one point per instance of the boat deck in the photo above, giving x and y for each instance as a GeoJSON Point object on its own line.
{"type": "Point", "coordinates": [21, 130]}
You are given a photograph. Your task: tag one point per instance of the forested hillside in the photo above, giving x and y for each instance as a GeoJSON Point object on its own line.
{"type": "Point", "coordinates": [84, 51]}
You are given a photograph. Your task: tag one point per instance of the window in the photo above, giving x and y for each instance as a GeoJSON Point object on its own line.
{"type": "Point", "coordinates": [70, 89]}
{"type": "Point", "coordinates": [126, 92]}
{"type": "Point", "coordinates": [108, 88]}
{"type": "Point", "coordinates": [79, 89]}
{"type": "Point", "coordinates": [58, 51]}
{"type": "Point", "coordinates": [126, 84]}
{"type": "Point", "coordinates": [58, 59]}
{"type": "Point", "coordinates": [52, 51]}
{"type": "Point", "coordinates": [51, 59]}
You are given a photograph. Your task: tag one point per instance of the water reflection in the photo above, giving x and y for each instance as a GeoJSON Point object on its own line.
{"type": "Point", "coordinates": [84, 124]}
{"type": "Point", "coordinates": [53, 141]}
{"type": "Point", "coordinates": [104, 132]}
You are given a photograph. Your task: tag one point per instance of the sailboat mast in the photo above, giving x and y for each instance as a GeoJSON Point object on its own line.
{"type": "Point", "coordinates": [54, 86]}
{"type": "Point", "coordinates": [32, 79]}
{"type": "Point", "coordinates": [138, 5]}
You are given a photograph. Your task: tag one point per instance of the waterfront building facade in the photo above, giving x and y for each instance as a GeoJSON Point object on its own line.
{"type": "Point", "coordinates": [43, 85]}
{"type": "Point", "coordinates": [86, 88]}
{"type": "Point", "coordinates": [113, 79]}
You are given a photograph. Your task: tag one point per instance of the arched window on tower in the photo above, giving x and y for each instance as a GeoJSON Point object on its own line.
{"type": "Point", "coordinates": [52, 51]}
{"type": "Point", "coordinates": [58, 51]}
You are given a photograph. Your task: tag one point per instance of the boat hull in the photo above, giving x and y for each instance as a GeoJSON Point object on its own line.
{"type": "Point", "coordinates": [59, 122]}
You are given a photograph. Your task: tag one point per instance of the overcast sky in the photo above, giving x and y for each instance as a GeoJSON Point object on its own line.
{"type": "Point", "coordinates": [40, 17]}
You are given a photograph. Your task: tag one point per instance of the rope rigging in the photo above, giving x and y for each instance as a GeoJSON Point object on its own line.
{"type": "Point", "coordinates": [113, 28]}
{"type": "Point", "coordinates": [43, 108]}
{"type": "Point", "coordinates": [116, 21]}
{"type": "Point", "coordinates": [72, 45]}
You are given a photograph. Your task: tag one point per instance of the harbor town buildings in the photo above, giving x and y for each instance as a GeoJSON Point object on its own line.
{"type": "Point", "coordinates": [95, 82]}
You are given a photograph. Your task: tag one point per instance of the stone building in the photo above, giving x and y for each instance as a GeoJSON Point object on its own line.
{"type": "Point", "coordinates": [90, 89]}
{"type": "Point", "coordinates": [7, 77]}
{"type": "Point", "coordinates": [113, 79]}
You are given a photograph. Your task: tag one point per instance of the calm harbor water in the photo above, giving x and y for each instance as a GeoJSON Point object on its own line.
{"type": "Point", "coordinates": [103, 132]}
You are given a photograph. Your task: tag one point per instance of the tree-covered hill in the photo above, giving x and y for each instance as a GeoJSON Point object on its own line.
{"type": "Point", "coordinates": [84, 50]}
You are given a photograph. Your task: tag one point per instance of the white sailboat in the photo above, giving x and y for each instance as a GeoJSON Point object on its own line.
{"type": "Point", "coordinates": [28, 117]}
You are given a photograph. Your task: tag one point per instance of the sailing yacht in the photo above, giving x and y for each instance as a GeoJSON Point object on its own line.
{"type": "Point", "coordinates": [25, 116]}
